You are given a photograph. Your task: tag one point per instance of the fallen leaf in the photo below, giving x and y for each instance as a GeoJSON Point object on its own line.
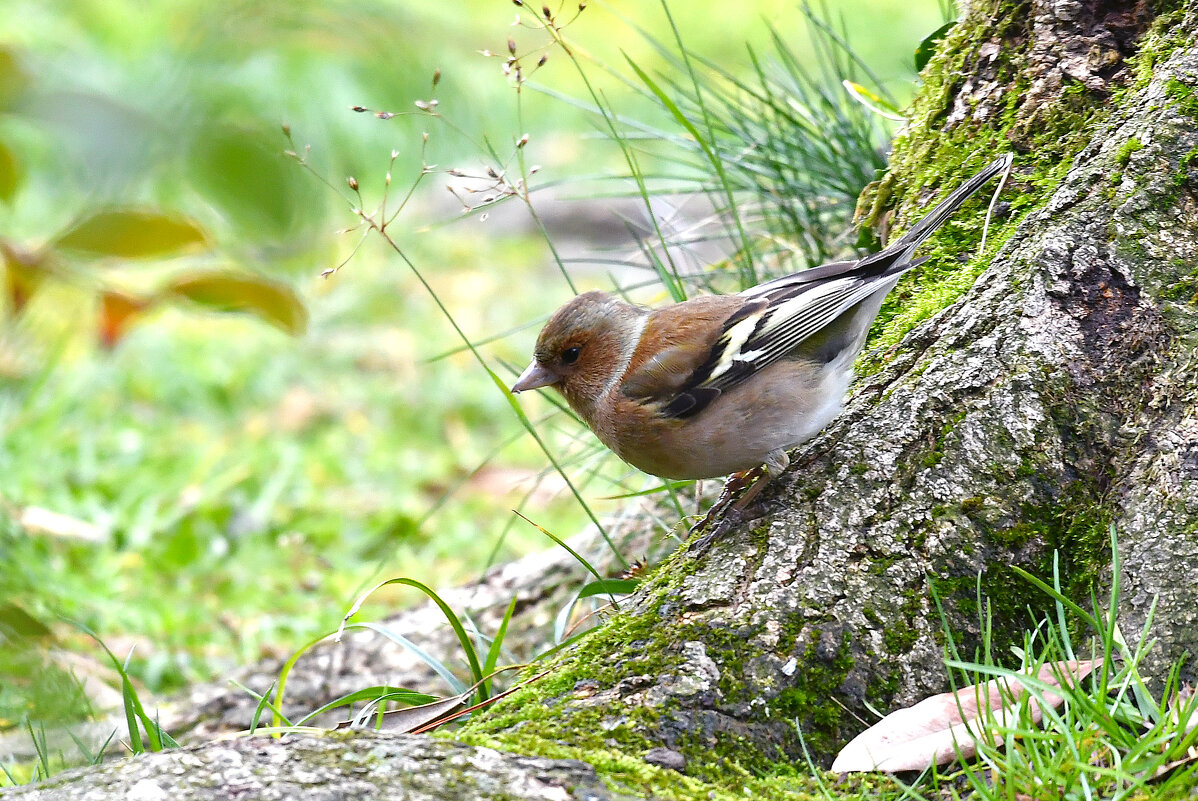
{"type": "Point", "coordinates": [413, 717]}
{"type": "Point", "coordinates": [938, 729]}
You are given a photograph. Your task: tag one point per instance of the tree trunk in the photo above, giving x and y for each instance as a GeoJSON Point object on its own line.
{"type": "Point", "coordinates": [1055, 397]}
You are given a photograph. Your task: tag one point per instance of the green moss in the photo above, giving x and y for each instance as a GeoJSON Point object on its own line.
{"type": "Point", "coordinates": [899, 639]}
{"type": "Point", "coordinates": [809, 702]}
{"type": "Point", "coordinates": [1185, 289]}
{"type": "Point", "coordinates": [629, 775]}
{"type": "Point", "coordinates": [1123, 156]}
{"type": "Point", "coordinates": [972, 505]}
{"type": "Point", "coordinates": [1183, 97]}
{"type": "Point", "coordinates": [997, 600]}
{"type": "Point", "coordinates": [932, 157]}
{"type": "Point", "coordinates": [636, 648]}
{"type": "Point", "coordinates": [1166, 34]}
{"type": "Point", "coordinates": [550, 717]}
{"type": "Point", "coordinates": [935, 452]}
{"type": "Point", "coordinates": [1187, 162]}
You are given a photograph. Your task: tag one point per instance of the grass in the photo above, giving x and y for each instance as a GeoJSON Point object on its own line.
{"type": "Point", "coordinates": [239, 473]}
{"type": "Point", "coordinates": [1117, 735]}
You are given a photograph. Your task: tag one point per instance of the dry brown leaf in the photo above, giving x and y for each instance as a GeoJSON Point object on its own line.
{"type": "Point", "coordinates": [410, 718]}
{"type": "Point", "coordinates": [937, 729]}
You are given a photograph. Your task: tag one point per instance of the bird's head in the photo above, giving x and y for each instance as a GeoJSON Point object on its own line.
{"type": "Point", "coordinates": [580, 347]}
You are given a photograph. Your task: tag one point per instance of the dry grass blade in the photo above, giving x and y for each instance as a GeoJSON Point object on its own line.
{"type": "Point", "coordinates": [944, 727]}
{"type": "Point", "coordinates": [481, 704]}
{"type": "Point", "coordinates": [413, 717]}
{"type": "Point", "coordinates": [427, 716]}
{"type": "Point", "coordinates": [1182, 714]}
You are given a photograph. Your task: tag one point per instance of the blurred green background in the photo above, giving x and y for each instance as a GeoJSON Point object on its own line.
{"type": "Point", "coordinates": [210, 487]}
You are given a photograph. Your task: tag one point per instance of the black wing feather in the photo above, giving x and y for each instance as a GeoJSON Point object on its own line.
{"type": "Point", "coordinates": [858, 279]}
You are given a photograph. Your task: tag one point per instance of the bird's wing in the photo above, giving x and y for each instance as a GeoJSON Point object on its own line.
{"type": "Point", "coordinates": [676, 341]}
{"type": "Point", "coordinates": [768, 327]}
{"type": "Point", "coordinates": [764, 323]}
{"type": "Point", "coordinates": [694, 351]}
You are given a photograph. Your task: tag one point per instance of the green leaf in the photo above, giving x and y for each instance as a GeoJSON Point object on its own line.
{"type": "Point", "coordinates": [17, 624]}
{"type": "Point", "coordinates": [272, 301]}
{"type": "Point", "coordinates": [13, 78]}
{"type": "Point", "coordinates": [10, 173]}
{"type": "Point", "coordinates": [255, 187]}
{"type": "Point", "coordinates": [132, 234]}
{"type": "Point", "coordinates": [927, 48]}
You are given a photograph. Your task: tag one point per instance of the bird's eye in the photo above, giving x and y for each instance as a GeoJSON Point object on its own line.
{"type": "Point", "coordinates": [570, 355]}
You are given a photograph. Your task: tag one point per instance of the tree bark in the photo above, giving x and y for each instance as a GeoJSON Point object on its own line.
{"type": "Point", "coordinates": [1055, 397]}
{"type": "Point", "coordinates": [373, 765]}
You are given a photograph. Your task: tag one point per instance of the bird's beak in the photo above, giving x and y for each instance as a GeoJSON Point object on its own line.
{"type": "Point", "coordinates": [535, 376]}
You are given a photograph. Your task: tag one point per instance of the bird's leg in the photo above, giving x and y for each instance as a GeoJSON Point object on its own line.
{"type": "Point", "coordinates": [775, 463]}
{"type": "Point", "coordinates": [751, 482]}
{"type": "Point", "coordinates": [735, 484]}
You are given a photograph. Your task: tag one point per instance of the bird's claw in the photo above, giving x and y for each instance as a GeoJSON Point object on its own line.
{"type": "Point", "coordinates": [728, 517]}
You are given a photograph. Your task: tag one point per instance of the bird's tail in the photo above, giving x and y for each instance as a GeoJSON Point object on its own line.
{"type": "Point", "coordinates": [945, 208]}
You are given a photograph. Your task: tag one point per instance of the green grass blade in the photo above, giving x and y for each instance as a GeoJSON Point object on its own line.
{"type": "Point", "coordinates": [497, 643]}
{"type": "Point", "coordinates": [562, 543]}
{"type": "Point", "coordinates": [378, 693]}
{"type": "Point", "coordinates": [608, 587]}
{"type": "Point", "coordinates": [278, 720]}
{"type": "Point", "coordinates": [436, 665]}
{"type": "Point", "coordinates": [263, 705]}
{"type": "Point", "coordinates": [463, 638]}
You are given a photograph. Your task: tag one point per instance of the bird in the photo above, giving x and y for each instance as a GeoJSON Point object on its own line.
{"type": "Point", "coordinates": [725, 384]}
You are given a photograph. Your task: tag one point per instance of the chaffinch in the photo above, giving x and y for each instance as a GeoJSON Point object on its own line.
{"type": "Point", "coordinates": [723, 384]}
